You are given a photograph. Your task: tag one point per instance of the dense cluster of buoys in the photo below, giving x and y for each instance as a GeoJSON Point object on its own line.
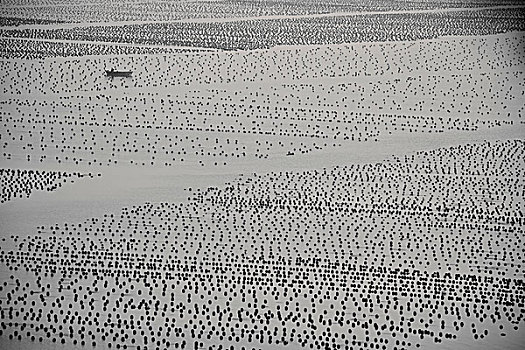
{"type": "Point", "coordinates": [476, 189]}
{"type": "Point", "coordinates": [415, 250]}
{"type": "Point", "coordinates": [20, 183]}
{"type": "Point", "coordinates": [36, 49]}
{"type": "Point", "coordinates": [79, 11]}
{"type": "Point", "coordinates": [17, 21]}
{"type": "Point", "coordinates": [268, 33]}
{"type": "Point", "coordinates": [174, 10]}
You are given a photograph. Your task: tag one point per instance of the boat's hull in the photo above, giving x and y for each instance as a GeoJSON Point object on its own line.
{"type": "Point", "coordinates": [110, 73]}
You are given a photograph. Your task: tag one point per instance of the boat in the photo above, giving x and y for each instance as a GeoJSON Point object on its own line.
{"type": "Point", "coordinates": [118, 73]}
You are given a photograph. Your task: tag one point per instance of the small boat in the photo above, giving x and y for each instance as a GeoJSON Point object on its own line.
{"type": "Point", "coordinates": [118, 73]}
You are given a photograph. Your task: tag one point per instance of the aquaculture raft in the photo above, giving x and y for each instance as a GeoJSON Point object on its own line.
{"type": "Point", "coordinates": [118, 73]}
